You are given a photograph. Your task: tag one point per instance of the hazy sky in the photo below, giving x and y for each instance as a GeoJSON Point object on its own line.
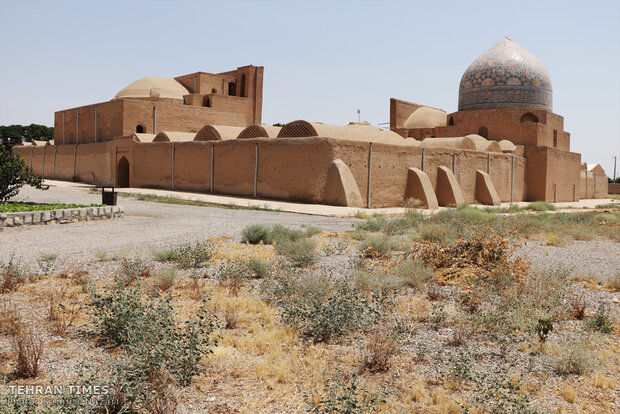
{"type": "Point", "coordinates": [323, 59]}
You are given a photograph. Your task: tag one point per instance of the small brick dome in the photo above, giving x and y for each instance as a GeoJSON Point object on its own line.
{"type": "Point", "coordinates": [153, 87]}
{"type": "Point", "coordinates": [505, 75]}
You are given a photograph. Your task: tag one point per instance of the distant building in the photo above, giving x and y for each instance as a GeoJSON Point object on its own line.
{"type": "Point", "coordinates": [202, 132]}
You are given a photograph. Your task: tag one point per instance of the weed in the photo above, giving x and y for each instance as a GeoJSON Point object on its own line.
{"type": "Point", "coordinates": [232, 275]}
{"type": "Point", "coordinates": [600, 321]}
{"type": "Point", "coordinates": [342, 394]}
{"type": "Point", "coordinates": [322, 309]}
{"type": "Point", "coordinates": [166, 255]}
{"type": "Point", "coordinates": [280, 234]}
{"type": "Point", "coordinates": [335, 247]}
{"type": "Point", "coordinates": [194, 256]}
{"type": "Point", "coordinates": [372, 225]}
{"type": "Point", "coordinates": [302, 252]}
{"type": "Point", "coordinates": [543, 327]}
{"type": "Point", "coordinates": [310, 231]}
{"type": "Point", "coordinates": [165, 279]}
{"type": "Point", "coordinates": [146, 329]}
{"type": "Point", "coordinates": [574, 357]}
{"type": "Point", "coordinates": [11, 276]}
{"type": "Point", "coordinates": [578, 306]}
{"type": "Point", "coordinates": [552, 239]}
{"type": "Point", "coordinates": [377, 246]}
{"type": "Point", "coordinates": [414, 272]}
{"type": "Point", "coordinates": [540, 206]}
{"type": "Point", "coordinates": [460, 369]}
{"type": "Point", "coordinates": [437, 316]}
{"type": "Point", "coordinates": [255, 234]}
{"type": "Point", "coordinates": [614, 281]}
{"type": "Point", "coordinates": [381, 347]}
{"type": "Point", "coordinates": [46, 262]}
{"type": "Point", "coordinates": [104, 256]}
{"type": "Point", "coordinates": [10, 320]}
{"type": "Point", "coordinates": [501, 393]}
{"type": "Point", "coordinates": [260, 268]}
{"type": "Point", "coordinates": [28, 348]}
{"type": "Point", "coordinates": [435, 293]}
{"type": "Point", "coordinates": [459, 337]}
{"type": "Point", "coordinates": [131, 269]}
{"type": "Point", "coordinates": [61, 316]}
{"type": "Point", "coordinates": [369, 281]}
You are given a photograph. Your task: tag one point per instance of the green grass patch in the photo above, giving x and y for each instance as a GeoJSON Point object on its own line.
{"type": "Point", "coordinates": [18, 206]}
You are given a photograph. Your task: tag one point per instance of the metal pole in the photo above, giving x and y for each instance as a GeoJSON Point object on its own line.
{"type": "Point", "coordinates": [512, 177]}
{"type": "Point", "coordinates": [615, 159]}
{"type": "Point", "coordinates": [95, 124]}
{"type": "Point", "coordinates": [422, 159]}
{"type": "Point", "coordinates": [74, 160]}
{"type": "Point", "coordinates": [172, 166]}
{"type": "Point", "coordinates": [255, 168]}
{"type": "Point", "coordinates": [43, 166]}
{"type": "Point", "coordinates": [212, 158]}
{"type": "Point", "coordinates": [77, 128]}
{"type": "Point", "coordinates": [369, 173]}
{"type": "Point", "coordinates": [154, 120]}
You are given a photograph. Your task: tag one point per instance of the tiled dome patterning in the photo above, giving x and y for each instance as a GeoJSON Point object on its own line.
{"type": "Point", "coordinates": [505, 75]}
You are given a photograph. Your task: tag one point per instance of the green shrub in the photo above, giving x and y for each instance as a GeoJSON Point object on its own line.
{"type": "Point", "coordinates": [154, 341]}
{"type": "Point", "coordinates": [194, 256]}
{"type": "Point", "coordinates": [334, 310]}
{"type": "Point", "coordinates": [260, 268]}
{"type": "Point", "coordinates": [344, 395]}
{"type": "Point", "coordinates": [11, 276]}
{"type": "Point", "coordinates": [376, 246]}
{"type": "Point", "coordinates": [167, 255]}
{"type": "Point", "coordinates": [574, 357]}
{"type": "Point", "coordinates": [540, 206]}
{"type": "Point", "coordinates": [302, 252]}
{"type": "Point", "coordinates": [599, 321]}
{"type": "Point", "coordinates": [165, 279]}
{"type": "Point", "coordinates": [104, 256]}
{"type": "Point", "coordinates": [232, 275]}
{"type": "Point", "coordinates": [310, 231]}
{"type": "Point", "coordinates": [131, 269]}
{"type": "Point", "coordinates": [256, 233]}
{"type": "Point", "coordinates": [372, 225]}
{"type": "Point", "coordinates": [369, 281]}
{"type": "Point", "coordinates": [281, 234]}
{"type": "Point", "coordinates": [414, 272]}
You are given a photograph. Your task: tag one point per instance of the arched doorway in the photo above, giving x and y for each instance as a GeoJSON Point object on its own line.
{"type": "Point", "coordinates": [484, 132]}
{"type": "Point", "coordinates": [139, 129]}
{"type": "Point", "coordinates": [122, 173]}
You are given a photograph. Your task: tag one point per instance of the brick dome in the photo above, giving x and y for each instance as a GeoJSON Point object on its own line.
{"type": "Point", "coordinates": [153, 87]}
{"type": "Point", "coordinates": [505, 75]}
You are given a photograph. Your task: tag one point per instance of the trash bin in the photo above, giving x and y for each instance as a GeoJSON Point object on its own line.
{"type": "Point", "coordinates": [108, 197]}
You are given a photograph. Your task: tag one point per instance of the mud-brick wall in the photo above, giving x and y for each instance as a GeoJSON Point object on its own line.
{"type": "Point", "coordinates": [390, 164]}
{"type": "Point", "coordinates": [192, 167]}
{"type": "Point", "coordinates": [152, 165]}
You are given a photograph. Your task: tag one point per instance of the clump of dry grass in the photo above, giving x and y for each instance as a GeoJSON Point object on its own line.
{"type": "Point", "coordinates": [12, 275]}
{"type": "Point", "coordinates": [434, 293]}
{"type": "Point", "coordinates": [578, 306]}
{"type": "Point", "coordinates": [10, 320]}
{"type": "Point", "coordinates": [28, 349]}
{"type": "Point", "coordinates": [381, 347]}
{"type": "Point", "coordinates": [62, 316]}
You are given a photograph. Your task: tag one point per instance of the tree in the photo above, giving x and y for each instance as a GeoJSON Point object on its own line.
{"type": "Point", "coordinates": [19, 133]}
{"type": "Point", "coordinates": [14, 174]}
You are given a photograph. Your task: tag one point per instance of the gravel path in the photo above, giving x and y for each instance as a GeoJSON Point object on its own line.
{"type": "Point", "coordinates": [145, 226]}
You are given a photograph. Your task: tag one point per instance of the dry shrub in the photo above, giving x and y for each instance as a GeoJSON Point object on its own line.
{"type": "Point", "coordinates": [458, 336]}
{"type": "Point", "coordinates": [474, 257]}
{"type": "Point", "coordinates": [578, 305]}
{"type": "Point", "coordinates": [10, 320]}
{"type": "Point", "coordinates": [434, 293]}
{"type": "Point", "coordinates": [382, 346]}
{"type": "Point", "coordinates": [231, 319]}
{"type": "Point", "coordinates": [28, 348]}
{"type": "Point", "coordinates": [12, 275]}
{"type": "Point", "coordinates": [62, 316]}
{"type": "Point", "coordinates": [568, 392]}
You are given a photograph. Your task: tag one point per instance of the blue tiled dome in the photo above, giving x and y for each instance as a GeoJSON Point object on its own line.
{"type": "Point", "coordinates": [505, 75]}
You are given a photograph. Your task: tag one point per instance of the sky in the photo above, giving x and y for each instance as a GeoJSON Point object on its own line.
{"type": "Point", "coordinates": [323, 60]}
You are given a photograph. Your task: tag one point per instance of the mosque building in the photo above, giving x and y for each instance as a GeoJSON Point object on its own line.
{"type": "Point", "coordinates": [202, 132]}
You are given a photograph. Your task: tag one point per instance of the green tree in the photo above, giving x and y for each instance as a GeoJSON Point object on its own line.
{"type": "Point", "coordinates": [14, 174]}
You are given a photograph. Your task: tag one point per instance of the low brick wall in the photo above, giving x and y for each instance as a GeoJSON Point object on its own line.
{"type": "Point", "coordinates": [613, 189]}
{"type": "Point", "coordinates": [64, 216]}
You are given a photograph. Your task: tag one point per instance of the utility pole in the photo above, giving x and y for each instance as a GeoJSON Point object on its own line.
{"type": "Point", "coordinates": [359, 116]}
{"type": "Point", "coordinates": [615, 159]}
